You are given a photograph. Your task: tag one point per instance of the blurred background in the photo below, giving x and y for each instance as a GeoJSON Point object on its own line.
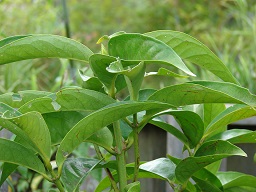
{"type": "Point", "coordinates": [227, 27]}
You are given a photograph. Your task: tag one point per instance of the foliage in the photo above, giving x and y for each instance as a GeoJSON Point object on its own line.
{"type": "Point", "coordinates": [93, 113]}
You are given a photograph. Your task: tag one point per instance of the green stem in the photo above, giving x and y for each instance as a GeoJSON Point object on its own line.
{"type": "Point", "coordinates": [136, 147]}
{"type": "Point", "coordinates": [121, 166]}
{"type": "Point", "coordinates": [55, 179]}
{"type": "Point", "coordinates": [111, 178]}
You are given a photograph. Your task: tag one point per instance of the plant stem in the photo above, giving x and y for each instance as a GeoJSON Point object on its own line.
{"type": "Point", "coordinates": [121, 166]}
{"type": "Point", "coordinates": [112, 181]}
{"type": "Point", "coordinates": [136, 147]}
{"type": "Point", "coordinates": [55, 179]}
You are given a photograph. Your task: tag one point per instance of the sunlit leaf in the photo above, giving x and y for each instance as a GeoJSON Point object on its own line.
{"type": "Point", "coordinates": [44, 46]}
{"type": "Point", "coordinates": [138, 47]}
{"type": "Point", "coordinates": [234, 179]}
{"type": "Point", "coordinates": [190, 49]}
{"type": "Point", "coordinates": [99, 119]}
{"type": "Point", "coordinates": [204, 92]}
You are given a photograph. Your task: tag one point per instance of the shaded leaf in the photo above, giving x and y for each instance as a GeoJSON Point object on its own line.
{"type": "Point", "coordinates": [15, 153]}
{"type": "Point", "coordinates": [134, 76]}
{"type": "Point", "coordinates": [44, 46]}
{"type": "Point", "coordinates": [192, 50]}
{"type": "Point", "coordinates": [170, 129]}
{"type": "Point", "coordinates": [6, 170]}
{"type": "Point", "coordinates": [31, 128]}
{"type": "Point", "coordinates": [138, 47]}
{"type": "Point", "coordinates": [75, 171]}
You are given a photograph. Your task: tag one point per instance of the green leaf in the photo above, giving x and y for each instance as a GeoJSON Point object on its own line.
{"type": "Point", "coordinates": [8, 40]}
{"type": "Point", "coordinates": [203, 92]}
{"type": "Point", "coordinates": [132, 187]}
{"type": "Point", "coordinates": [6, 170]}
{"type": "Point", "coordinates": [15, 153]}
{"type": "Point", "coordinates": [162, 167]}
{"type": "Point", "coordinates": [192, 50]}
{"type": "Point", "coordinates": [75, 171]}
{"type": "Point", "coordinates": [211, 110]}
{"type": "Point", "coordinates": [241, 189]}
{"type": "Point", "coordinates": [31, 128]}
{"type": "Point", "coordinates": [99, 119]}
{"type": "Point", "coordinates": [236, 136]}
{"type": "Point", "coordinates": [134, 76]}
{"type": "Point", "coordinates": [16, 100]}
{"type": "Point", "coordinates": [70, 99]}
{"type": "Point", "coordinates": [191, 125]}
{"type": "Point", "coordinates": [206, 186]}
{"type": "Point", "coordinates": [236, 179]}
{"type": "Point", "coordinates": [207, 180]}
{"type": "Point", "coordinates": [138, 47]}
{"type": "Point", "coordinates": [7, 111]}
{"type": "Point", "coordinates": [231, 114]}
{"type": "Point", "coordinates": [44, 46]}
{"type": "Point", "coordinates": [208, 153]}
{"type": "Point", "coordinates": [165, 72]}
{"type": "Point", "coordinates": [99, 64]}
{"type": "Point", "coordinates": [170, 129]}
{"type": "Point", "coordinates": [92, 83]}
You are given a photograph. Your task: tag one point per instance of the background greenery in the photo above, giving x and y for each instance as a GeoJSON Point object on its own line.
{"type": "Point", "coordinates": [228, 27]}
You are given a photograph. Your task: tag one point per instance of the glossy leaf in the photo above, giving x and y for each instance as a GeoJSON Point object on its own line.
{"type": "Point", "coordinates": [44, 46]}
{"type": "Point", "coordinates": [203, 92]}
{"type": "Point", "coordinates": [234, 179]}
{"type": "Point", "coordinates": [236, 136]}
{"type": "Point", "coordinates": [208, 153]}
{"type": "Point", "coordinates": [71, 99]}
{"type": "Point", "coordinates": [16, 100]}
{"type": "Point", "coordinates": [15, 153]}
{"type": "Point", "coordinates": [32, 128]}
{"type": "Point", "coordinates": [138, 47]}
{"type": "Point", "coordinates": [163, 167]}
{"type": "Point", "coordinates": [231, 114]}
{"type": "Point", "coordinates": [99, 119]}
{"type": "Point", "coordinates": [132, 187]}
{"type": "Point", "coordinates": [75, 171]}
{"type": "Point", "coordinates": [192, 50]}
